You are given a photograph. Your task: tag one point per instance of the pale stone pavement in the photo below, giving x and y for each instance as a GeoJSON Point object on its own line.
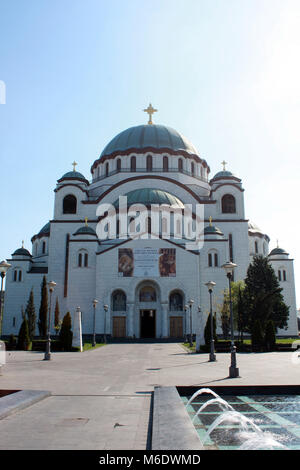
{"type": "Point", "coordinates": [101, 398]}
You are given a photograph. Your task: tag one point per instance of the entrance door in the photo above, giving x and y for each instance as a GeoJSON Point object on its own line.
{"type": "Point", "coordinates": [119, 327]}
{"type": "Point", "coordinates": [147, 323]}
{"type": "Point", "coordinates": [176, 327]}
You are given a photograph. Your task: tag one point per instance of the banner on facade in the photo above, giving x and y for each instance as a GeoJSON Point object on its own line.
{"type": "Point", "coordinates": [147, 262]}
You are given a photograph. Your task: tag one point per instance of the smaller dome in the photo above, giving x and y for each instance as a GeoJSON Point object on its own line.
{"type": "Point", "coordinates": [212, 230]}
{"type": "Point", "coordinates": [278, 251]}
{"type": "Point", "coordinates": [73, 175]}
{"type": "Point", "coordinates": [21, 252]}
{"type": "Point", "coordinates": [224, 174]}
{"type": "Point", "coordinates": [86, 230]}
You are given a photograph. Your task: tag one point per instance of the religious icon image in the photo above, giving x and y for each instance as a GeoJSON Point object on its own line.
{"type": "Point", "coordinates": [126, 262]}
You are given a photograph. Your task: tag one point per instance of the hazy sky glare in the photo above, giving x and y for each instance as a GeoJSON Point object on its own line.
{"type": "Point", "coordinates": [225, 73]}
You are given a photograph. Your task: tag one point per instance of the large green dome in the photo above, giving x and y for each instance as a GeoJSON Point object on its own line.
{"type": "Point", "coordinates": [149, 196]}
{"type": "Point", "coordinates": [147, 136]}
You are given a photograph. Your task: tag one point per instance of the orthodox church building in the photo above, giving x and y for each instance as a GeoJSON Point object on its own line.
{"type": "Point", "coordinates": [147, 285]}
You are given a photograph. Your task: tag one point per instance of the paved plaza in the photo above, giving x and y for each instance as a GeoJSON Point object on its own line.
{"type": "Point", "coordinates": [101, 399]}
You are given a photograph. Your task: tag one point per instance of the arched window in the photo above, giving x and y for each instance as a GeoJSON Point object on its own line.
{"type": "Point", "coordinates": [165, 164]}
{"type": "Point", "coordinates": [20, 276]}
{"type": "Point", "coordinates": [149, 224]}
{"type": "Point", "coordinates": [149, 163]}
{"type": "Point", "coordinates": [119, 164]}
{"type": "Point", "coordinates": [15, 275]}
{"type": "Point", "coordinates": [213, 259]}
{"type": "Point", "coordinates": [148, 294]}
{"type": "Point", "coordinates": [70, 204]}
{"type": "Point", "coordinates": [193, 168]}
{"type": "Point", "coordinates": [83, 259]}
{"type": "Point", "coordinates": [118, 301]}
{"type": "Point", "coordinates": [284, 275]}
{"type": "Point", "coordinates": [228, 204]}
{"type": "Point", "coordinates": [133, 164]}
{"type": "Point", "coordinates": [44, 248]}
{"type": "Point", "coordinates": [201, 171]}
{"type": "Point", "coordinates": [106, 169]}
{"type": "Point", "coordinates": [176, 302]}
{"type": "Point", "coordinates": [256, 247]}
{"type": "Point", "coordinates": [279, 275]}
{"type": "Point", "coordinates": [180, 164]}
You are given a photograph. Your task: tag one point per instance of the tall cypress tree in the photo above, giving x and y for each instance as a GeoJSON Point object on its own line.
{"type": "Point", "coordinates": [31, 316]}
{"type": "Point", "coordinates": [43, 313]}
{"type": "Point", "coordinates": [56, 316]}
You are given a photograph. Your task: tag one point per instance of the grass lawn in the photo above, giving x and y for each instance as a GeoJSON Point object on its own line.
{"type": "Point", "coordinates": [246, 341]}
{"type": "Point", "coordinates": [87, 346]}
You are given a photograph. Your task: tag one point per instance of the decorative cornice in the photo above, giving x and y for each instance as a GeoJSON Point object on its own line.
{"type": "Point", "coordinates": [227, 184]}
{"type": "Point", "coordinates": [71, 184]}
{"type": "Point", "coordinates": [153, 177]}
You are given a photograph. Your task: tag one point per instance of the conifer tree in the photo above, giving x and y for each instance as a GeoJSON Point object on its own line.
{"type": "Point", "coordinates": [57, 322]}
{"type": "Point", "coordinates": [262, 297]}
{"type": "Point", "coordinates": [31, 316]}
{"type": "Point", "coordinates": [43, 312]}
{"type": "Point", "coordinates": [66, 334]}
{"type": "Point", "coordinates": [23, 336]}
{"type": "Point", "coordinates": [207, 330]}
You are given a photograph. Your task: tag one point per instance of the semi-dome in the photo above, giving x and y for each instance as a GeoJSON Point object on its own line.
{"type": "Point", "coordinates": [148, 196]}
{"type": "Point", "coordinates": [45, 230]}
{"type": "Point", "coordinates": [85, 230]}
{"type": "Point", "coordinates": [278, 251]}
{"type": "Point", "coordinates": [21, 252]}
{"type": "Point", "coordinates": [146, 136]}
{"type": "Point", "coordinates": [212, 230]}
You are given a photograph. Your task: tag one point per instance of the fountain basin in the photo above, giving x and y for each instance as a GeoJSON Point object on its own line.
{"type": "Point", "coordinates": [258, 417]}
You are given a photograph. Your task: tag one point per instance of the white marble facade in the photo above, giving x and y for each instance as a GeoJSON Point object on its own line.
{"type": "Point", "coordinates": [150, 163]}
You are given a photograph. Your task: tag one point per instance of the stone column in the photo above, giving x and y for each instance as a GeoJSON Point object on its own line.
{"type": "Point", "coordinates": [164, 319]}
{"type": "Point", "coordinates": [77, 331]}
{"type": "Point", "coordinates": [130, 319]}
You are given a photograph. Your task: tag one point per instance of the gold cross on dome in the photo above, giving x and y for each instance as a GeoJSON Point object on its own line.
{"type": "Point", "coordinates": [86, 221]}
{"type": "Point", "coordinates": [210, 220]}
{"type": "Point", "coordinates": [74, 165]}
{"type": "Point", "coordinates": [224, 163]}
{"type": "Point", "coordinates": [150, 110]}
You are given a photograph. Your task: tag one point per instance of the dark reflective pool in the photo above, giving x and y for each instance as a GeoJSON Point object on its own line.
{"type": "Point", "coordinates": [278, 416]}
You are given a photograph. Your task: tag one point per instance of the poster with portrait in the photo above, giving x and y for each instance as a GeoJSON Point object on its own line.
{"type": "Point", "coordinates": [147, 262]}
{"type": "Point", "coordinates": [125, 262]}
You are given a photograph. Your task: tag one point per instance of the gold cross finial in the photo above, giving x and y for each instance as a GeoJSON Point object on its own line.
{"type": "Point", "coordinates": [86, 221]}
{"type": "Point", "coordinates": [210, 220]}
{"type": "Point", "coordinates": [74, 165]}
{"type": "Point", "coordinates": [224, 165]}
{"type": "Point", "coordinates": [150, 110]}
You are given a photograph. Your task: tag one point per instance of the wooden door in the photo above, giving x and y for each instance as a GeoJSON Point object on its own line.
{"type": "Point", "coordinates": [119, 327]}
{"type": "Point", "coordinates": [176, 327]}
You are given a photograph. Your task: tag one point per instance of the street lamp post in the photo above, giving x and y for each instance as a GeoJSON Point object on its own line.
{"type": "Point", "coordinates": [105, 312]}
{"type": "Point", "coordinates": [212, 357]}
{"type": "Point", "coordinates": [47, 356]}
{"type": "Point", "coordinates": [233, 370]}
{"type": "Point", "coordinates": [191, 330]}
{"type": "Point", "coordinates": [4, 266]}
{"type": "Point", "coordinates": [94, 325]}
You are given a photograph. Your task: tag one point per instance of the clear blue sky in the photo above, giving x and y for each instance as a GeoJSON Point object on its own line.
{"type": "Point", "coordinates": [225, 73]}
